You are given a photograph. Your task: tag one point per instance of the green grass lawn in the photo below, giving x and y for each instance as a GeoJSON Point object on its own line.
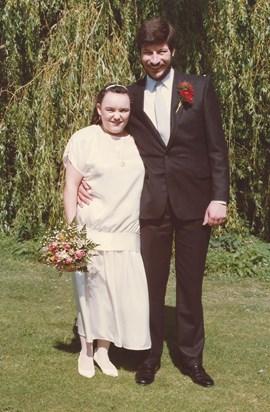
{"type": "Point", "coordinates": [39, 350]}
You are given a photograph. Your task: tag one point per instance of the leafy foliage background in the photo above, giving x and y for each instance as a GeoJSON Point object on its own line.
{"type": "Point", "coordinates": [55, 56]}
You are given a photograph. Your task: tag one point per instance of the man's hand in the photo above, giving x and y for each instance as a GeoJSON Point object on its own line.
{"type": "Point", "coordinates": [215, 214]}
{"type": "Point", "coordinates": [83, 196]}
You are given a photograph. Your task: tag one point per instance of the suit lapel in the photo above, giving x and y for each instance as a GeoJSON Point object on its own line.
{"type": "Point", "coordinates": [138, 95]}
{"type": "Point", "coordinates": [138, 98]}
{"type": "Point", "coordinates": [175, 116]}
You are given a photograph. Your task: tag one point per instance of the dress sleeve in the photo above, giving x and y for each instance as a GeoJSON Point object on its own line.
{"type": "Point", "coordinates": [75, 153]}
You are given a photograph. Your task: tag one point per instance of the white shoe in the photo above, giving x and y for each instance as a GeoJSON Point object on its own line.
{"type": "Point", "coordinates": [86, 366]}
{"type": "Point", "coordinates": [108, 368]}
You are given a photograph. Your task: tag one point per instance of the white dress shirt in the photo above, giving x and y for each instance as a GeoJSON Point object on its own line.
{"type": "Point", "coordinates": [149, 95]}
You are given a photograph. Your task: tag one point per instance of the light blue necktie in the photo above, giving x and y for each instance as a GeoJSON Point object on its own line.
{"type": "Point", "coordinates": [161, 112]}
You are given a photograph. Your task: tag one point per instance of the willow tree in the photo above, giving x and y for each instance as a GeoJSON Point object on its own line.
{"type": "Point", "coordinates": [83, 49]}
{"type": "Point", "coordinates": [238, 38]}
{"type": "Point", "coordinates": [58, 53]}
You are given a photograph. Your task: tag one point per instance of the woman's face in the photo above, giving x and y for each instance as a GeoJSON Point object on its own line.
{"type": "Point", "coordinates": [114, 111]}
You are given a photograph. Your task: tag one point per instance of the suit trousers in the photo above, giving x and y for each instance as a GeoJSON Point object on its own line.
{"type": "Point", "coordinates": [191, 243]}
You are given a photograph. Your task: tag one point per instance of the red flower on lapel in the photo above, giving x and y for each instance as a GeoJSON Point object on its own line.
{"type": "Point", "coordinates": [186, 92]}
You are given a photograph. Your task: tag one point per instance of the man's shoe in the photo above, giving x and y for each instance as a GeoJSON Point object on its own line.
{"type": "Point", "coordinates": [198, 374]}
{"type": "Point", "coordinates": [146, 373]}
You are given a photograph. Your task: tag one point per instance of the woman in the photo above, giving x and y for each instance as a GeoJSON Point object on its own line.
{"type": "Point", "coordinates": [112, 296]}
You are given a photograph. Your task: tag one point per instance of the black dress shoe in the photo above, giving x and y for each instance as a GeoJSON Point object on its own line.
{"type": "Point", "coordinates": [146, 373]}
{"type": "Point", "coordinates": [198, 375]}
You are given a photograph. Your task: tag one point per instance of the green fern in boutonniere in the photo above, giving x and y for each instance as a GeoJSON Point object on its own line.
{"type": "Point", "coordinates": [186, 92]}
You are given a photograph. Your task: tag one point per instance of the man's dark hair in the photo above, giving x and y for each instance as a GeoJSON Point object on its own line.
{"type": "Point", "coordinates": [155, 31]}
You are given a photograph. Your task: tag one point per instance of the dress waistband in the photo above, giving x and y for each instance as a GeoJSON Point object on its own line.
{"type": "Point", "coordinates": [114, 240]}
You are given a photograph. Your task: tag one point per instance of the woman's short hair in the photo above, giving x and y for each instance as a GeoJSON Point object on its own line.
{"type": "Point", "coordinates": [155, 31]}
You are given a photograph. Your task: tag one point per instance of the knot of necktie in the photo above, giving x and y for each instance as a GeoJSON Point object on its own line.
{"type": "Point", "coordinates": [158, 85]}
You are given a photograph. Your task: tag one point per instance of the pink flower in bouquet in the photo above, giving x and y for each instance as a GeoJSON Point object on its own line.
{"type": "Point", "coordinates": [52, 246]}
{"type": "Point", "coordinates": [58, 255]}
{"type": "Point", "coordinates": [79, 254]}
{"type": "Point", "coordinates": [69, 260]}
{"type": "Point", "coordinates": [66, 246]}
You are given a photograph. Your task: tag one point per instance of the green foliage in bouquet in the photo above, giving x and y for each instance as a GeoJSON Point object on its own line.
{"type": "Point", "coordinates": [67, 249]}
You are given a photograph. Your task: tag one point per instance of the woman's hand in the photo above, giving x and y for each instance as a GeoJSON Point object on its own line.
{"type": "Point", "coordinates": [83, 195]}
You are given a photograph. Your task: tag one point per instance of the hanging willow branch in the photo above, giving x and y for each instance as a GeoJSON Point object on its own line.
{"type": "Point", "coordinates": [239, 35]}
{"type": "Point", "coordinates": [84, 52]}
{"type": "Point", "coordinates": [57, 55]}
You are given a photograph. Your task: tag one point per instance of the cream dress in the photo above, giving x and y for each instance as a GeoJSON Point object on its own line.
{"type": "Point", "coordinates": [112, 297]}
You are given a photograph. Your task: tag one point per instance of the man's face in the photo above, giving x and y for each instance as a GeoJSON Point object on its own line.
{"type": "Point", "coordinates": [156, 60]}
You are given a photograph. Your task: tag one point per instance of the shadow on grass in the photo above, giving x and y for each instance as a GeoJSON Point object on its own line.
{"type": "Point", "coordinates": [126, 359]}
{"type": "Point", "coordinates": [74, 346]}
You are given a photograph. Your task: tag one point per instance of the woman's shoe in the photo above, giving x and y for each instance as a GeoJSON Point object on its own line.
{"type": "Point", "coordinates": [106, 366]}
{"type": "Point", "coordinates": [86, 366]}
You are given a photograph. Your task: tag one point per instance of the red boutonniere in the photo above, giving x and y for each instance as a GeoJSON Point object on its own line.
{"type": "Point", "coordinates": [186, 92]}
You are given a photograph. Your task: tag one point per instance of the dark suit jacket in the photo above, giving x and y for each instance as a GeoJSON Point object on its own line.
{"type": "Point", "coordinates": [193, 168]}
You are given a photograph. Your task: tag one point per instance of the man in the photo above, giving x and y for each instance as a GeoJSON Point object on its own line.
{"type": "Point", "coordinates": [177, 127]}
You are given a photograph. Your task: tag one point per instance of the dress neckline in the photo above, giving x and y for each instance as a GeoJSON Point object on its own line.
{"type": "Point", "coordinates": [111, 136]}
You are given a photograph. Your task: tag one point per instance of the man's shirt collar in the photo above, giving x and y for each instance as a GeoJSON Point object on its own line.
{"type": "Point", "coordinates": [167, 81]}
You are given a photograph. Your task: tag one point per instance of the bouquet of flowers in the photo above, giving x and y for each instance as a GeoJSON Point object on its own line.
{"type": "Point", "coordinates": [67, 249]}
